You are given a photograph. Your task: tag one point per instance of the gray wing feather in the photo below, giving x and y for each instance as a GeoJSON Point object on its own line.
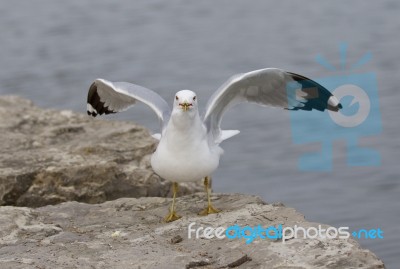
{"type": "Point", "coordinates": [105, 97]}
{"type": "Point", "coordinates": [267, 87]}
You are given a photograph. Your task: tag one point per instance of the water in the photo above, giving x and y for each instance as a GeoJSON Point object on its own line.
{"type": "Point", "coordinates": [51, 52]}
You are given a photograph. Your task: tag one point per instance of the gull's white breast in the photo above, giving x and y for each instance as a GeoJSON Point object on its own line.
{"type": "Point", "coordinates": [183, 154]}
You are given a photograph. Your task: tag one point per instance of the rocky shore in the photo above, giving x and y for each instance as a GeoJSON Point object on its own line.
{"type": "Point", "coordinates": [77, 192]}
{"type": "Point", "coordinates": [49, 157]}
{"type": "Point", "coordinates": [130, 233]}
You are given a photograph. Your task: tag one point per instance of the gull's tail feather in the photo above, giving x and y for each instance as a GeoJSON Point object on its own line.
{"type": "Point", "coordinates": [226, 134]}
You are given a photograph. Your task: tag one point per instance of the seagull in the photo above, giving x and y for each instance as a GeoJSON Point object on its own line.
{"type": "Point", "coordinates": [189, 144]}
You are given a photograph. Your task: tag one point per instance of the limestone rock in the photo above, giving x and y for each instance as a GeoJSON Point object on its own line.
{"type": "Point", "coordinates": [130, 233]}
{"type": "Point", "coordinates": [50, 156]}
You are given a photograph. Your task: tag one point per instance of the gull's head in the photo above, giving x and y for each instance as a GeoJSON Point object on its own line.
{"type": "Point", "coordinates": [185, 100]}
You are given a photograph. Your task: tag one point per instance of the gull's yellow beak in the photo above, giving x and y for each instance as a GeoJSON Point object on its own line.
{"type": "Point", "coordinates": [185, 106]}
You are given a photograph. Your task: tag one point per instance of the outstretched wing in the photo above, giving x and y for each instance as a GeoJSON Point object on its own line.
{"type": "Point", "coordinates": [105, 97]}
{"type": "Point", "coordinates": [267, 87]}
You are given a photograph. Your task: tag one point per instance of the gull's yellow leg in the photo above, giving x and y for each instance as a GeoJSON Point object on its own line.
{"type": "Point", "coordinates": [172, 213]}
{"type": "Point", "coordinates": [209, 209]}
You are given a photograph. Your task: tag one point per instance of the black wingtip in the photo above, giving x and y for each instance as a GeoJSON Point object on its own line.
{"type": "Point", "coordinates": [93, 114]}
{"type": "Point", "coordinates": [318, 100]}
{"type": "Point", "coordinates": [335, 108]}
{"type": "Point", "coordinates": [95, 102]}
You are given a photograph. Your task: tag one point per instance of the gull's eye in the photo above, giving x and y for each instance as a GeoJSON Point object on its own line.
{"type": "Point", "coordinates": [194, 98]}
{"type": "Point", "coordinates": [176, 97]}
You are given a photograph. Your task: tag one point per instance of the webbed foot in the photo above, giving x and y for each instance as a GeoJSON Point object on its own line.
{"type": "Point", "coordinates": [210, 209]}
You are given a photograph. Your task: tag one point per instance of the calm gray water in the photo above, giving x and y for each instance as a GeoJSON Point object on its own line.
{"type": "Point", "coordinates": [51, 51]}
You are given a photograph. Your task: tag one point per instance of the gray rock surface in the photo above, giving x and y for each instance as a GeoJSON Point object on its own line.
{"type": "Point", "coordinates": [130, 233]}
{"type": "Point", "coordinates": [50, 156]}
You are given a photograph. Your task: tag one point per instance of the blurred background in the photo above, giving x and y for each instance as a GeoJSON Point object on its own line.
{"type": "Point", "coordinates": [51, 51]}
